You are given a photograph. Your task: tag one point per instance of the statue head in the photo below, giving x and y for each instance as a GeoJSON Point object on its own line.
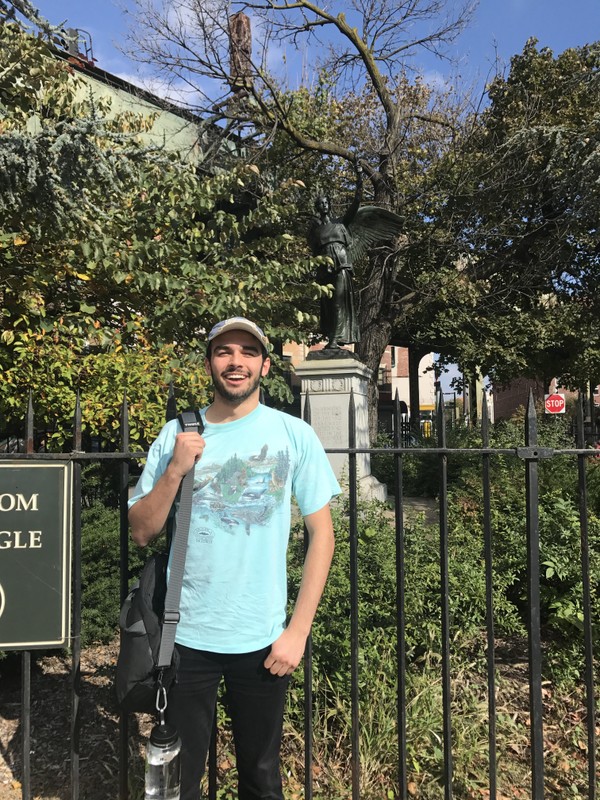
{"type": "Point", "coordinates": [322, 204]}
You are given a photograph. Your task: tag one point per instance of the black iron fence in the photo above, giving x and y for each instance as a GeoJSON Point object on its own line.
{"type": "Point", "coordinates": [531, 454]}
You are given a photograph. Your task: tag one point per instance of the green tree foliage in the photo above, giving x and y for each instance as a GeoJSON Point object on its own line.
{"type": "Point", "coordinates": [115, 258]}
{"type": "Point", "coordinates": [499, 265]}
{"type": "Point", "coordinates": [524, 206]}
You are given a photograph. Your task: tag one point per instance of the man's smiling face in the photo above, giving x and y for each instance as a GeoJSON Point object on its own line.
{"type": "Point", "coordinates": [236, 365]}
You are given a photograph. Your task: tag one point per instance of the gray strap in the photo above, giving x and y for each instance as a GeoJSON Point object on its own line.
{"type": "Point", "coordinates": [189, 421]}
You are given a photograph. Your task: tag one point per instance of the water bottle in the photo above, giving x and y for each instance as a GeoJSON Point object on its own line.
{"type": "Point", "coordinates": [163, 764]}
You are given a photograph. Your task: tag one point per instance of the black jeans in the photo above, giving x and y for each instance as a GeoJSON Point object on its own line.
{"type": "Point", "coordinates": [255, 701]}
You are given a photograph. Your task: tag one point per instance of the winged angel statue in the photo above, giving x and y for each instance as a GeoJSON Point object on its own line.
{"type": "Point", "coordinates": [345, 240]}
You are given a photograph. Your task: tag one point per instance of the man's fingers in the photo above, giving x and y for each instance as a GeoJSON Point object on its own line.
{"type": "Point", "coordinates": [280, 670]}
{"type": "Point", "coordinates": [188, 450]}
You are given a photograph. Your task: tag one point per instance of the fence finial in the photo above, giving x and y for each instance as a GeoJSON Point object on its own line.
{"type": "Point", "coordinates": [530, 421]}
{"type": "Point", "coordinates": [306, 411]}
{"type": "Point", "coordinates": [29, 422]}
{"type": "Point", "coordinates": [124, 422]}
{"type": "Point", "coordinates": [440, 416]}
{"type": "Point", "coordinates": [485, 419]}
{"type": "Point", "coordinates": [171, 411]}
{"type": "Point", "coordinates": [77, 425]}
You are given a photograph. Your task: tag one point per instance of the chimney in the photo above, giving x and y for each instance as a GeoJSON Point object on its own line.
{"type": "Point", "coordinates": [240, 52]}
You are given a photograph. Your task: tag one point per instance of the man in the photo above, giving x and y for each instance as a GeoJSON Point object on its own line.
{"type": "Point", "coordinates": [249, 461]}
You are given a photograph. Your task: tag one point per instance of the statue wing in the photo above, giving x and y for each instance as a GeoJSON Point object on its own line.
{"type": "Point", "coordinates": [371, 226]}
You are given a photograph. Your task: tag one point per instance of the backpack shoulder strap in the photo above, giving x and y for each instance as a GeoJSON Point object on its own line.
{"type": "Point", "coordinates": [189, 421]}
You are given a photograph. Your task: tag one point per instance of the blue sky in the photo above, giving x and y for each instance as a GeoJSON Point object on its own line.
{"type": "Point", "coordinates": [499, 27]}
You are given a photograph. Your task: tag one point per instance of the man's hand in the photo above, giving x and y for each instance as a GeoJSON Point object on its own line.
{"type": "Point", "coordinates": [187, 451]}
{"type": "Point", "coordinates": [148, 516]}
{"type": "Point", "coordinates": [286, 653]}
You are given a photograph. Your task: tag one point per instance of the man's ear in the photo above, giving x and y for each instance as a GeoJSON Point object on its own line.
{"type": "Point", "coordinates": [265, 367]}
{"type": "Point", "coordinates": [207, 366]}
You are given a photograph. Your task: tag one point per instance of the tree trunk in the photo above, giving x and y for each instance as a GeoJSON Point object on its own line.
{"type": "Point", "coordinates": [376, 307]}
{"type": "Point", "coordinates": [415, 355]}
{"type": "Point", "coordinates": [375, 339]}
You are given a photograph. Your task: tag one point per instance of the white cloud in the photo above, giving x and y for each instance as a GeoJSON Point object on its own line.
{"type": "Point", "coordinates": [175, 92]}
{"type": "Point", "coordinates": [436, 80]}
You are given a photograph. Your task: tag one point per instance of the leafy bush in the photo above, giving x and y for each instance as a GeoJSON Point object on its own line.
{"type": "Point", "coordinates": [100, 585]}
{"type": "Point", "coordinates": [420, 471]}
{"type": "Point", "coordinates": [561, 608]}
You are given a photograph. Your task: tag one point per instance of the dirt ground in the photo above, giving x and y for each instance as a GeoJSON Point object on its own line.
{"type": "Point", "coordinates": [99, 736]}
{"type": "Point", "coordinates": [51, 723]}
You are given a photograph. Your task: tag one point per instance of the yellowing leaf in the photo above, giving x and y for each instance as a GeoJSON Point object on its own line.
{"type": "Point", "coordinates": [82, 276]}
{"type": "Point", "coordinates": [19, 241]}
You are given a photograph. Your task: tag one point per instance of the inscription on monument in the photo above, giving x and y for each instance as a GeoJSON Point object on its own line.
{"type": "Point", "coordinates": [331, 426]}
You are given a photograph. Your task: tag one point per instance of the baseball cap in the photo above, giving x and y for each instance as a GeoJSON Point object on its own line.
{"type": "Point", "coordinates": [239, 324]}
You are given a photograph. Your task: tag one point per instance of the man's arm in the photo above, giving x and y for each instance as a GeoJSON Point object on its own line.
{"type": "Point", "coordinates": [148, 515]}
{"type": "Point", "coordinates": [287, 651]}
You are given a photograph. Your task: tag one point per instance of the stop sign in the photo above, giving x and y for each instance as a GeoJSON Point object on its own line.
{"type": "Point", "coordinates": [554, 403]}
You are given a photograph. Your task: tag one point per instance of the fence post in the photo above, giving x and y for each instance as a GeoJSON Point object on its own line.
{"type": "Point", "coordinates": [124, 587]}
{"type": "Point", "coordinates": [26, 655]}
{"type": "Point", "coordinates": [445, 600]}
{"type": "Point", "coordinates": [76, 633]}
{"type": "Point", "coordinates": [308, 668]}
{"type": "Point", "coordinates": [587, 601]}
{"type": "Point", "coordinates": [533, 601]}
{"type": "Point", "coordinates": [489, 596]}
{"type": "Point", "coordinates": [353, 533]}
{"type": "Point", "coordinates": [400, 603]}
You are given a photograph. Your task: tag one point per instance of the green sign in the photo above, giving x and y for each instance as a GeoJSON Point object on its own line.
{"type": "Point", "coordinates": [35, 554]}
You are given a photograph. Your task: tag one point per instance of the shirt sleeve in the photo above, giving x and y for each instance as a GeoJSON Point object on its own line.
{"type": "Point", "coordinates": [314, 482]}
{"type": "Point", "coordinates": [158, 459]}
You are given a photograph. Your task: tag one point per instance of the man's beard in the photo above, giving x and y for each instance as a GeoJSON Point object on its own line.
{"type": "Point", "coordinates": [233, 396]}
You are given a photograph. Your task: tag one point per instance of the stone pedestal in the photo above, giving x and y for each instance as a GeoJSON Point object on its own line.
{"type": "Point", "coordinates": [328, 383]}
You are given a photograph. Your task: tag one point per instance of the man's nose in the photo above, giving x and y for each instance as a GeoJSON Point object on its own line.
{"type": "Point", "coordinates": [234, 360]}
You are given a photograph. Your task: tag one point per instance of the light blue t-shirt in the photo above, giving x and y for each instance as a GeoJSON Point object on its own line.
{"type": "Point", "coordinates": [234, 593]}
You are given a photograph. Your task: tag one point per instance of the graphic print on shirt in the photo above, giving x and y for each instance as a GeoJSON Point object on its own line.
{"type": "Point", "coordinates": [239, 494]}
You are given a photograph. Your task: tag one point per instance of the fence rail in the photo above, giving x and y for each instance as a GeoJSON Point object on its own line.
{"type": "Point", "coordinates": [530, 454]}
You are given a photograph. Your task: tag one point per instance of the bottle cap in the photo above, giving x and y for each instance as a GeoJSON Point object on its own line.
{"type": "Point", "coordinates": [163, 735]}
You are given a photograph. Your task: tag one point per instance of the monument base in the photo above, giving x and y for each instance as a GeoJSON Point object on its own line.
{"type": "Point", "coordinates": [370, 488]}
{"type": "Point", "coordinates": [327, 385]}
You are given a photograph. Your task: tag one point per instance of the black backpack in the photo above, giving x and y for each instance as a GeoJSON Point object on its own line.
{"type": "Point", "coordinates": [141, 628]}
{"type": "Point", "coordinates": [147, 662]}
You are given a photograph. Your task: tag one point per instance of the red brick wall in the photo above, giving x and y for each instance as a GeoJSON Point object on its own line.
{"type": "Point", "coordinates": [506, 401]}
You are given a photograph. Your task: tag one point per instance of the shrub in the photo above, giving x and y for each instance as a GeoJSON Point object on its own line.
{"type": "Point", "coordinates": [561, 608]}
{"type": "Point", "coordinates": [100, 584]}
